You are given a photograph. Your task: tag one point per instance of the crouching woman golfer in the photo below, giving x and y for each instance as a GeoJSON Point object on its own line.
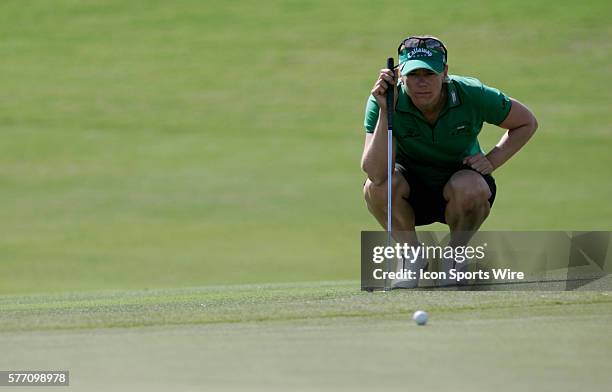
{"type": "Point", "coordinates": [441, 173]}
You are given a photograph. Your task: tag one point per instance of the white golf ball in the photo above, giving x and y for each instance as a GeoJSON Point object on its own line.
{"type": "Point", "coordinates": [420, 317]}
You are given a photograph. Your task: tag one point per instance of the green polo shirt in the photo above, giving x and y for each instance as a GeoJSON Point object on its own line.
{"type": "Point", "coordinates": [434, 153]}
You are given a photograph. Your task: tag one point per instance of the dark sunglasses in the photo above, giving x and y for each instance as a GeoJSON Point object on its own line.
{"type": "Point", "coordinates": [419, 42]}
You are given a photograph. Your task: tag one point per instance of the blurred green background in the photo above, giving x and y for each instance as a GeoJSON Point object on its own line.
{"type": "Point", "coordinates": [166, 144]}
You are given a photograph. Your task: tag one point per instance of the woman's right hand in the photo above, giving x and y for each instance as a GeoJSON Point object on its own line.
{"type": "Point", "coordinates": [386, 78]}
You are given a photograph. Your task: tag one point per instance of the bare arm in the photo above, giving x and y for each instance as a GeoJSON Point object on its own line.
{"type": "Point", "coordinates": [521, 124]}
{"type": "Point", "coordinates": [374, 157]}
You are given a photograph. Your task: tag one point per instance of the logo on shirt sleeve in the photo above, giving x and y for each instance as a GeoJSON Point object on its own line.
{"type": "Point", "coordinates": [505, 102]}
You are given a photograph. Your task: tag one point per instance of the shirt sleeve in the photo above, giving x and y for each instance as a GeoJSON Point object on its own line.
{"type": "Point", "coordinates": [495, 105]}
{"type": "Point", "coordinates": [371, 114]}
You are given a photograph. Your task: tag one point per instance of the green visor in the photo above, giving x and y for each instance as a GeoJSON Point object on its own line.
{"type": "Point", "coordinates": [415, 58]}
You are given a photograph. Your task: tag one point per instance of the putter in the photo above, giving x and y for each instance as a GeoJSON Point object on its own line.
{"type": "Point", "coordinates": [390, 99]}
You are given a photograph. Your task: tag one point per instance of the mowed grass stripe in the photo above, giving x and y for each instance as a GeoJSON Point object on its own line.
{"type": "Point", "coordinates": [272, 302]}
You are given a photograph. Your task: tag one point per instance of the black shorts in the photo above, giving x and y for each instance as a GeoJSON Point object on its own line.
{"type": "Point", "coordinates": [428, 202]}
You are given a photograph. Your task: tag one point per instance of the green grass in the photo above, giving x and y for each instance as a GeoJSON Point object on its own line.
{"type": "Point", "coordinates": [270, 302]}
{"type": "Point", "coordinates": [149, 144]}
{"type": "Point", "coordinates": [312, 336]}
{"type": "Point", "coordinates": [153, 149]}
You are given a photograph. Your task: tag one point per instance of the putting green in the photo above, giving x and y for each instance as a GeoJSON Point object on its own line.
{"type": "Point", "coordinates": [324, 336]}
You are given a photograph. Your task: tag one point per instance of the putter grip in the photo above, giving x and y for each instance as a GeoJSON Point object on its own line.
{"type": "Point", "coordinates": [390, 92]}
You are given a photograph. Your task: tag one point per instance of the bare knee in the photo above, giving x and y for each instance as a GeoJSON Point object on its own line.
{"type": "Point", "coordinates": [376, 193]}
{"type": "Point", "coordinates": [468, 192]}
{"type": "Point", "coordinates": [371, 194]}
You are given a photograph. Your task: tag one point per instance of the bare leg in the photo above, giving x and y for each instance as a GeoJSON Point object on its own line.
{"type": "Point", "coordinates": [467, 195]}
{"type": "Point", "coordinates": [402, 219]}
